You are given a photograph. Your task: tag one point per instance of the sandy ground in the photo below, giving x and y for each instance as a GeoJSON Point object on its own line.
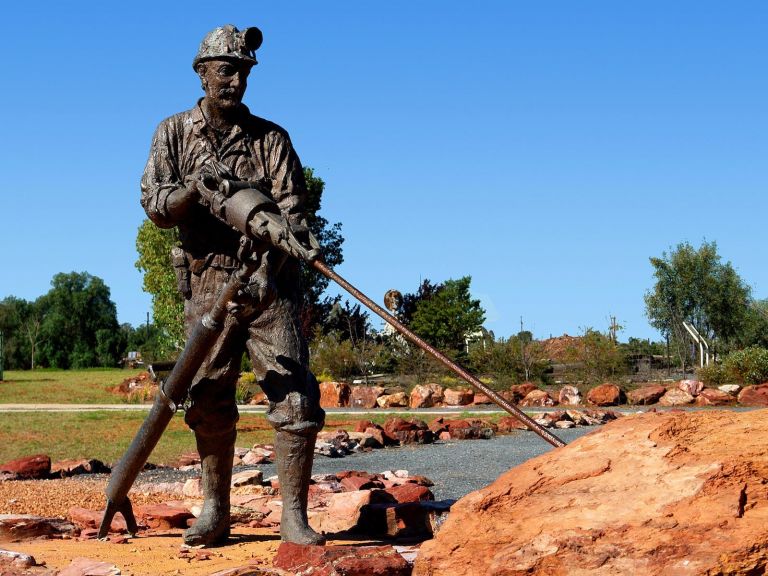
{"type": "Point", "coordinates": [148, 554]}
{"type": "Point", "coordinates": [152, 555]}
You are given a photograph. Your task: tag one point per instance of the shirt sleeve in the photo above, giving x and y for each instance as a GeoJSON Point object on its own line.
{"type": "Point", "coordinates": [289, 188]}
{"type": "Point", "coordinates": [161, 176]}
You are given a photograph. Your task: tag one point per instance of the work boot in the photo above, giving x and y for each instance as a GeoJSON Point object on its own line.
{"type": "Point", "coordinates": [294, 455]}
{"type": "Point", "coordinates": [212, 526]}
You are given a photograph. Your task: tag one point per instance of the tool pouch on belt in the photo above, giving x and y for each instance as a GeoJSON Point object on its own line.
{"type": "Point", "coordinates": [181, 267]}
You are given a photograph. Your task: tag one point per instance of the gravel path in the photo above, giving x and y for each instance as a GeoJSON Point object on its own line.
{"type": "Point", "coordinates": [456, 467]}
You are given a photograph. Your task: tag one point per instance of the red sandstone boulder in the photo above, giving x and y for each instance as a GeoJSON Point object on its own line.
{"type": "Point", "coordinates": [605, 395]}
{"type": "Point", "coordinates": [693, 387]}
{"type": "Point", "coordinates": [365, 396]}
{"type": "Point", "coordinates": [713, 397]}
{"type": "Point", "coordinates": [86, 518]}
{"type": "Point", "coordinates": [29, 467]}
{"type": "Point", "coordinates": [569, 395]}
{"type": "Point", "coordinates": [341, 560]}
{"type": "Point", "coordinates": [339, 512]}
{"type": "Point", "coordinates": [396, 400]}
{"type": "Point", "coordinates": [646, 395]}
{"type": "Point", "coordinates": [334, 394]}
{"type": "Point", "coordinates": [509, 423]}
{"type": "Point", "coordinates": [520, 391]}
{"type": "Point", "coordinates": [676, 397]}
{"type": "Point", "coordinates": [409, 492]}
{"type": "Point", "coordinates": [399, 430]}
{"type": "Point", "coordinates": [458, 397]}
{"type": "Point", "coordinates": [654, 493]}
{"type": "Point", "coordinates": [481, 399]}
{"type": "Point", "coordinates": [66, 468]}
{"type": "Point", "coordinates": [538, 398]}
{"type": "Point", "coordinates": [460, 429]}
{"type": "Point", "coordinates": [754, 395]}
{"type": "Point", "coordinates": [421, 397]}
{"type": "Point", "coordinates": [18, 527]}
{"type": "Point", "coordinates": [163, 516]}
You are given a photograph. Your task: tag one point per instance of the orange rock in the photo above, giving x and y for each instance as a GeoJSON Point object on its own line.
{"type": "Point", "coordinates": [605, 395]}
{"type": "Point", "coordinates": [538, 398]}
{"type": "Point", "coordinates": [713, 397]}
{"type": "Point", "coordinates": [334, 394]}
{"type": "Point", "coordinates": [646, 394]}
{"type": "Point", "coordinates": [654, 493]}
{"type": "Point", "coordinates": [458, 397]}
{"type": "Point", "coordinates": [676, 397]}
{"type": "Point", "coordinates": [754, 395]}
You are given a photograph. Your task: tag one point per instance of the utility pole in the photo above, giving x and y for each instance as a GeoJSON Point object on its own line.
{"type": "Point", "coordinates": [2, 355]}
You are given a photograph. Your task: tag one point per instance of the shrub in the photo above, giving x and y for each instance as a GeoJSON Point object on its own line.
{"type": "Point", "coordinates": [713, 375]}
{"type": "Point", "coordinates": [748, 366]}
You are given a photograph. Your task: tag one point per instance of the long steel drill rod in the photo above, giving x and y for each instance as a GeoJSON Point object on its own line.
{"type": "Point", "coordinates": [442, 358]}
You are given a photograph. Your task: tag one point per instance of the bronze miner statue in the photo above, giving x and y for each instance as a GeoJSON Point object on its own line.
{"type": "Point", "coordinates": [196, 152]}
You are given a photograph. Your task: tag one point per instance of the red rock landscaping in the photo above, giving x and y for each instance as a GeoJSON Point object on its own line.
{"type": "Point", "coordinates": [657, 493]}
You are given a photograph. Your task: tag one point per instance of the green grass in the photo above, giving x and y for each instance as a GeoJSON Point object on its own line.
{"type": "Point", "coordinates": [91, 386]}
{"type": "Point", "coordinates": [106, 435]}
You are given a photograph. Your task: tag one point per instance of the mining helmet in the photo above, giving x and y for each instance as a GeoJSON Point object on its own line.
{"type": "Point", "coordinates": [229, 43]}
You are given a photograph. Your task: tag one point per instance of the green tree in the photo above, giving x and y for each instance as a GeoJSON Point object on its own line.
{"type": "Point", "coordinates": [448, 316]}
{"type": "Point", "coordinates": [17, 322]}
{"type": "Point", "coordinates": [79, 325]}
{"type": "Point", "coordinates": [755, 331]}
{"type": "Point", "coordinates": [694, 285]}
{"type": "Point", "coordinates": [154, 246]}
{"type": "Point", "coordinates": [315, 306]}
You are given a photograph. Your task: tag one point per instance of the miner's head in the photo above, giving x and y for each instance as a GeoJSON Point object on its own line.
{"type": "Point", "coordinates": [224, 60]}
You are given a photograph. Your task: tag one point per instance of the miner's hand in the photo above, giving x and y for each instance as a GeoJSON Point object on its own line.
{"type": "Point", "coordinates": [181, 200]}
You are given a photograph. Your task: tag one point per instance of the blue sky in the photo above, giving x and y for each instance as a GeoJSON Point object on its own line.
{"type": "Point", "coordinates": [545, 148]}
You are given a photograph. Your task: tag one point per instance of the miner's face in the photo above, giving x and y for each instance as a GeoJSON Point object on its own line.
{"type": "Point", "coordinates": [224, 81]}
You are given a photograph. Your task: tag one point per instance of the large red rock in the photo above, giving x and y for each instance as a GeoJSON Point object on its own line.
{"type": "Point", "coordinates": [334, 394]}
{"type": "Point", "coordinates": [458, 397]}
{"type": "Point", "coordinates": [399, 430]}
{"type": "Point", "coordinates": [605, 395]}
{"type": "Point", "coordinates": [65, 468]}
{"type": "Point", "coordinates": [509, 423]}
{"type": "Point", "coordinates": [520, 391]}
{"type": "Point", "coordinates": [646, 394]}
{"type": "Point", "coordinates": [339, 512]}
{"type": "Point", "coordinates": [654, 493]}
{"type": "Point", "coordinates": [163, 516]}
{"type": "Point", "coordinates": [713, 397]}
{"type": "Point", "coordinates": [426, 395]}
{"type": "Point", "coordinates": [29, 467]}
{"type": "Point", "coordinates": [569, 395]}
{"type": "Point", "coordinates": [341, 560]}
{"type": "Point", "coordinates": [17, 527]}
{"type": "Point", "coordinates": [693, 387]}
{"type": "Point", "coordinates": [395, 400]}
{"type": "Point", "coordinates": [754, 395]}
{"type": "Point", "coordinates": [365, 396]}
{"type": "Point", "coordinates": [538, 398]}
{"type": "Point", "coordinates": [676, 397]}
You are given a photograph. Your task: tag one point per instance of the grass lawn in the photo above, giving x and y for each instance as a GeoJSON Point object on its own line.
{"type": "Point", "coordinates": [91, 386]}
{"type": "Point", "coordinates": [106, 435]}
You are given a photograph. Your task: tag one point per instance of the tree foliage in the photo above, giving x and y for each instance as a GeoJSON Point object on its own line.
{"type": "Point", "coordinates": [154, 247]}
{"type": "Point", "coordinates": [78, 327]}
{"type": "Point", "coordinates": [315, 306]}
{"type": "Point", "coordinates": [447, 314]}
{"type": "Point", "coordinates": [694, 285]}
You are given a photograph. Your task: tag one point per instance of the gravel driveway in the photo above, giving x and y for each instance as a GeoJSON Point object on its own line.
{"type": "Point", "coordinates": [456, 467]}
